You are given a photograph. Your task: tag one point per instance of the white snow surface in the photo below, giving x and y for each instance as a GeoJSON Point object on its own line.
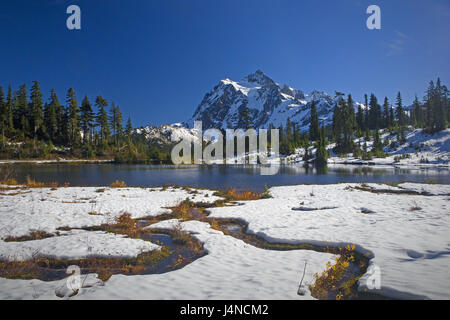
{"type": "Point", "coordinates": [230, 270]}
{"type": "Point", "coordinates": [46, 209]}
{"type": "Point", "coordinates": [76, 244]}
{"type": "Point", "coordinates": [412, 247]}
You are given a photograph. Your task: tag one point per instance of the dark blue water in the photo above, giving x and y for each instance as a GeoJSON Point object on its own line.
{"type": "Point", "coordinates": [240, 177]}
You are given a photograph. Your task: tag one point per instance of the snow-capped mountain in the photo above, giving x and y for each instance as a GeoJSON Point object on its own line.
{"type": "Point", "coordinates": [268, 102]}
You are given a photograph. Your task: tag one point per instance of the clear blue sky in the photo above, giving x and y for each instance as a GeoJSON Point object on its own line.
{"type": "Point", "coordinates": [157, 59]}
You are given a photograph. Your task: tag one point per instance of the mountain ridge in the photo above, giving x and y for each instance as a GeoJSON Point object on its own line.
{"type": "Point", "coordinates": [268, 102]}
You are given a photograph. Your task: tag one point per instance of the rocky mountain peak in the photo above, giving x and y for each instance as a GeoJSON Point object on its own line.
{"type": "Point", "coordinates": [260, 78]}
{"type": "Point", "coordinates": [269, 103]}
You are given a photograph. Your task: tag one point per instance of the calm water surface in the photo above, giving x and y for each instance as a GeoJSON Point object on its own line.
{"type": "Point", "coordinates": [240, 177]}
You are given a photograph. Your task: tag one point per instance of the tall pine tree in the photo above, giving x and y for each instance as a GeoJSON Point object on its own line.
{"type": "Point", "coordinates": [52, 117]}
{"type": "Point", "coordinates": [21, 115]}
{"type": "Point", "coordinates": [102, 119]}
{"type": "Point", "coordinates": [314, 123]}
{"type": "Point", "coordinates": [2, 115]}
{"type": "Point", "coordinates": [9, 112]}
{"type": "Point", "coordinates": [400, 112]}
{"type": "Point", "coordinates": [73, 118]}
{"type": "Point", "coordinates": [36, 111]}
{"type": "Point", "coordinates": [386, 110]}
{"type": "Point", "coordinates": [86, 120]}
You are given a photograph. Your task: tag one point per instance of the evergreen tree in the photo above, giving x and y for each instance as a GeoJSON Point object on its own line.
{"type": "Point", "coordinates": [102, 119]}
{"type": "Point", "coordinates": [62, 117]}
{"type": "Point", "coordinates": [36, 111]}
{"type": "Point", "coordinates": [52, 118]}
{"type": "Point", "coordinates": [116, 122]}
{"type": "Point", "coordinates": [322, 153]}
{"type": "Point", "coordinates": [21, 115]}
{"type": "Point", "coordinates": [129, 129]}
{"type": "Point", "coordinates": [9, 111]}
{"type": "Point", "coordinates": [386, 111]}
{"type": "Point", "coordinates": [417, 115]}
{"type": "Point", "coordinates": [350, 113]}
{"type": "Point", "coordinates": [439, 107]}
{"type": "Point", "coordinates": [366, 113]}
{"type": "Point", "coordinates": [391, 117]}
{"type": "Point", "coordinates": [377, 144]}
{"type": "Point", "coordinates": [365, 152]}
{"type": "Point", "coordinates": [360, 119]}
{"type": "Point", "coordinates": [86, 120]}
{"type": "Point", "coordinates": [246, 120]}
{"type": "Point", "coordinates": [73, 118]}
{"type": "Point", "coordinates": [314, 123]}
{"type": "Point", "coordinates": [375, 117]}
{"type": "Point", "coordinates": [401, 135]}
{"type": "Point", "coordinates": [119, 125]}
{"type": "Point", "coordinates": [3, 117]}
{"type": "Point", "coordinates": [343, 124]}
{"type": "Point", "coordinates": [400, 111]}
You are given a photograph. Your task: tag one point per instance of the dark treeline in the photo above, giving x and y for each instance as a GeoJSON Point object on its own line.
{"type": "Point", "coordinates": [432, 114]}
{"type": "Point", "coordinates": [32, 128]}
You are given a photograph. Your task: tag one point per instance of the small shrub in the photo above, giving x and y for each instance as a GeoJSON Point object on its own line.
{"type": "Point", "coordinates": [118, 184]}
{"type": "Point", "coordinates": [266, 193]}
{"type": "Point", "coordinates": [330, 282]}
{"type": "Point", "coordinates": [126, 225]}
{"type": "Point", "coordinates": [183, 211]}
{"type": "Point", "coordinates": [181, 237]}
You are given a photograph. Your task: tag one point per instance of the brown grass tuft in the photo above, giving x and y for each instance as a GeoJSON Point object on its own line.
{"type": "Point", "coordinates": [234, 195]}
{"type": "Point", "coordinates": [10, 182]}
{"type": "Point", "coordinates": [31, 183]}
{"type": "Point", "coordinates": [34, 235]}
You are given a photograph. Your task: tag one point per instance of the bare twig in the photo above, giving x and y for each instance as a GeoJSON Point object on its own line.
{"type": "Point", "coordinates": [301, 291]}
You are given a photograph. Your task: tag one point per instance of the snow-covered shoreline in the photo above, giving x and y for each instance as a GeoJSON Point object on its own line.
{"type": "Point", "coordinates": [405, 235]}
{"type": "Point", "coordinates": [419, 151]}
